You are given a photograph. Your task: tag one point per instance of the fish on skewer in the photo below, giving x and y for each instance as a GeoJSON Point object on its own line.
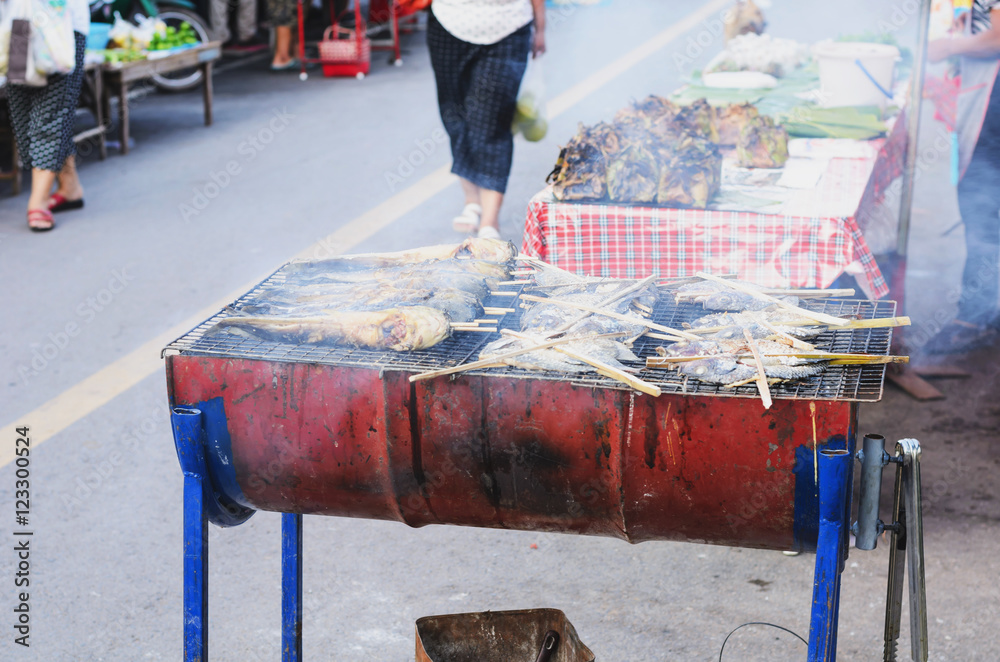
{"type": "Point", "coordinates": [459, 305]}
{"type": "Point", "coordinates": [399, 329]}
{"type": "Point", "coordinates": [492, 250]}
{"type": "Point", "coordinates": [604, 350]}
{"type": "Point", "coordinates": [760, 323]}
{"type": "Point", "coordinates": [346, 269]}
{"type": "Point", "coordinates": [717, 296]}
{"type": "Point", "coordinates": [293, 290]}
{"type": "Point", "coordinates": [412, 278]}
{"type": "Point", "coordinates": [731, 361]}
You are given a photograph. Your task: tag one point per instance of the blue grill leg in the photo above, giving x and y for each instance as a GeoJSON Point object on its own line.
{"type": "Point", "coordinates": [291, 588]}
{"type": "Point", "coordinates": [188, 438]}
{"type": "Point", "coordinates": [834, 466]}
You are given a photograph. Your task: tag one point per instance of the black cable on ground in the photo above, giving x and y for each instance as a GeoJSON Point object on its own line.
{"type": "Point", "coordinates": [796, 635]}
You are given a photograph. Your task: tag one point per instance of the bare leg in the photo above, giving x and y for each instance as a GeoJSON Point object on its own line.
{"type": "Point", "coordinates": [471, 191]}
{"type": "Point", "coordinates": [491, 202]}
{"type": "Point", "coordinates": [69, 181]}
{"type": "Point", "coordinates": [282, 45]}
{"type": "Point", "coordinates": [41, 187]}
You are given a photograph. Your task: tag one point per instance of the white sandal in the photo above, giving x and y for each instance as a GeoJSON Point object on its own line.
{"type": "Point", "coordinates": [468, 220]}
{"type": "Point", "coordinates": [488, 232]}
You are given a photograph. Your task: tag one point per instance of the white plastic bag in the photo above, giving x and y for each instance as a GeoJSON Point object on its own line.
{"type": "Point", "coordinates": [52, 44]}
{"type": "Point", "coordinates": [531, 115]}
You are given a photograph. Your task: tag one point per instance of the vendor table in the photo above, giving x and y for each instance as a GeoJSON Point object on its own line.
{"type": "Point", "coordinates": [818, 234]}
{"type": "Point", "coordinates": [122, 74]}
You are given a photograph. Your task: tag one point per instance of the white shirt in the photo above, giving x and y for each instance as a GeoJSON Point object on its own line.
{"type": "Point", "coordinates": [79, 12]}
{"type": "Point", "coordinates": [482, 21]}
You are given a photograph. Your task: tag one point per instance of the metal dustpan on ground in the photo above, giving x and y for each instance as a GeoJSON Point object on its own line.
{"type": "Point", "coordinates": [526, 635]}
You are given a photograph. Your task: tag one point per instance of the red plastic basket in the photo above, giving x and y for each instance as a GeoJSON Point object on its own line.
{"type": "Point", "coordinates": [345, 52]}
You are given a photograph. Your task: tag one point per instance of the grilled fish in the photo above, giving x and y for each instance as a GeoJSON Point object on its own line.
{"type": "Point", "coordinates": [399, 329]}
{"type": "Point", "coordinates": [348, 270]}
{"type": "Point", "coordinates": [493, 250]}
{"type": "Point", "coordinates": [460, 306]}
{"type": "Point", "coordinates": [729, 361]}
{"type": "Point", "coordinates": [605, 350]}
{"type": "Point", "coordinates": [716, 296]}
{"type": "Point", "coordinates": [733, 324]}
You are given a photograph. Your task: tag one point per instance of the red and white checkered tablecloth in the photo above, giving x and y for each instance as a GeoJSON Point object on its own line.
{"type": "Point", "coordinates": [800, 250]}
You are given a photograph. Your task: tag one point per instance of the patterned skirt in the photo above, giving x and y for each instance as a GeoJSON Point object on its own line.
{"type": "Point", "coordinates": [44, 117]}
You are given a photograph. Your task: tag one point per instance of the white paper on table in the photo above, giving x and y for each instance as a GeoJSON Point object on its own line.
{"type": "Point", "coordinates": [830, 148]}
{"type": "Point", "coordinates": [803, 173]}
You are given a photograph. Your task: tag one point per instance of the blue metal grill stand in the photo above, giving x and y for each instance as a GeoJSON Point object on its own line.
{"type": "Point", "coordinates": [291, 588]}
{"type": "Point", "coordinates": [834, 475]}
{"type": "Point", "coordinates": [190, 444]}
{"type": "Point", "coordinates": [203, 502]}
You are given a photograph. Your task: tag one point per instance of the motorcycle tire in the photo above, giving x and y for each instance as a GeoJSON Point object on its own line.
{"type": "Point", "coordinates": [183, 79]}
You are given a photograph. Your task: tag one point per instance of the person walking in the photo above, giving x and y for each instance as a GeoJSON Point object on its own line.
{"type": "Point", "coordinates": [283, 15]}
{"type": "Point", "coordinates": [479, 51]}
{"type": "Point", "coordinates": [978, 127]}
{"type": "Point", "coordinates": [43, 119]}
{"type": "Point", "coordinates": [246, 20]}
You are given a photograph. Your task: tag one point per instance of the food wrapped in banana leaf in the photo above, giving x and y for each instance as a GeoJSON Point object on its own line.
{"type": "Point", "coordinates": [581, 171]}
{"type": "Point", "coordinates": [691, 174]}
{"type": "Point", "coordinates": [762, 144]}
{"type": "Point", "coordinates": [633, 175]}
{"type": "Point", "coordinates": [656, 107]}
{"type": "Point", "coordinates": [699, 119]}
{"type": "Point", "coordinates": [729, 121]}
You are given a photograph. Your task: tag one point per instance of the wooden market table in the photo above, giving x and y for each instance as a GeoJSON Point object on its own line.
{"type": "Point", "coordinates": [118, 77]}
{"type": "Point", "coordinates": [809, 240]}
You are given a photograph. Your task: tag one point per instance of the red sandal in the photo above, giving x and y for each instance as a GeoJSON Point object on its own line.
{"type": "Point", "coordinates": [60, 203]}
{"type": "Point", "coordinates": [40, 220]}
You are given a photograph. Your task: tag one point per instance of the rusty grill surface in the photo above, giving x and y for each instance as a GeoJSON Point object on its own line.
{"type": "Point", "coordinates": [843, 383]}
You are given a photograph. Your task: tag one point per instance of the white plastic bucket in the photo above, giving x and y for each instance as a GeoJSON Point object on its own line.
{"type": "Point", "coordinates": [843, 83]}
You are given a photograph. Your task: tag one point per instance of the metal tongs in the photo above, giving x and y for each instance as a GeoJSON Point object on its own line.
{"type": "Point", "coordinates": [907, 539]}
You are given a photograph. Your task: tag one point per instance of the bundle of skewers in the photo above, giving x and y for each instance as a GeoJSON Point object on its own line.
{"type": "Point", "coordinates": [762, 337]}
{"type": "Point", "coordinates": [571, 324]}
{"type": "Point", "coordinates": [404, 301]}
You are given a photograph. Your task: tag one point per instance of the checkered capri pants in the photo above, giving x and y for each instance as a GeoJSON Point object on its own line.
{"type": "Point", "coordinates": [477, 94]}
{"type": "Point", "coordinates": [44, 117]}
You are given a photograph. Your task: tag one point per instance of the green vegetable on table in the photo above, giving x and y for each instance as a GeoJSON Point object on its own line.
{"type": "Point", "coordinates": [173, 38]}
{"type": "Point", "coordinates": [857, 123]}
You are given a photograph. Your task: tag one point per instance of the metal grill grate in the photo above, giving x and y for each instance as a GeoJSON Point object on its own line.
{"type": "Point", "coordinates": [846, 383]}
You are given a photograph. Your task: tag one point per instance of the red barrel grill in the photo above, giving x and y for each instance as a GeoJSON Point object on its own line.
{"type": "Point", "coordinates": [342, 431]}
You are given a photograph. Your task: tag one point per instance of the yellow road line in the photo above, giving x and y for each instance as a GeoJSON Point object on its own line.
{"type": "Point", "coordinates": [111, 381]}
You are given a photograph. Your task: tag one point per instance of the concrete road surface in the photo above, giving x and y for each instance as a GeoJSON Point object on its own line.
{"type": "Point", "coordinates": [195, 215]}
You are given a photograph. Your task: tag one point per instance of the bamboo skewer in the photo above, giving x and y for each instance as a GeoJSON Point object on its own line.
{"type": "Point", "coordinates": [802, 294]}
{"type": "Point", "coordinates": [805, 312]}
{"type": "Point", "coordinates": [497, 293]}
{"type": "Point", "coordinates": [601, 367]}
{"type": "Point", "coordinates": [833, 357]}
{"type": "Point", "coordinates": [498, 360]}
{"type": "Point", "coordinates": [677, 334]}
{"type": "Point", "coordinates": [492, 310]}
{"type": "Point", "coordinates": [879, 323]}
{"type": "Point", "coordinates": [513, 282]}
{"type": "Point", "coordinates": [607, 301]}
{"type": "Point", "coordinates": [762, 387]}
{"type": "Point", "coordinates": [784, 337]}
